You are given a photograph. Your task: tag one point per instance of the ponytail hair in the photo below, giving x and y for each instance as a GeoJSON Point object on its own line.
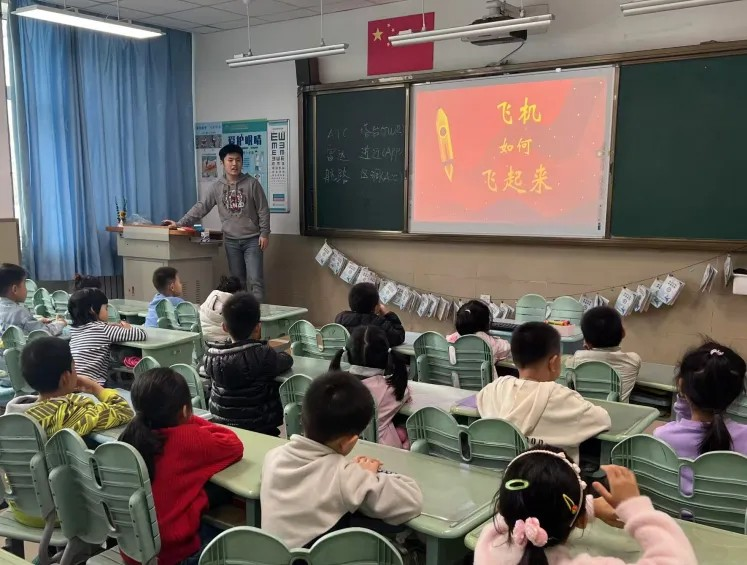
{"type": "Point", "coordinates": [368, 346]}
{"type": "Point", "coordinates": [159, 397]}
{"type": "Point", "coordinates": [85, 281]}
{"type": "Point", "coordinates": [712, 377]}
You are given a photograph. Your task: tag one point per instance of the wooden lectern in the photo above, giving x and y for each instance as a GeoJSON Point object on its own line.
{"type": "Point", "coordinates": [145, 248]}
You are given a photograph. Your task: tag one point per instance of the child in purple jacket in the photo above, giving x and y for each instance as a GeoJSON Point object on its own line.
{"type": "Point", "coordinates": [710, 379]}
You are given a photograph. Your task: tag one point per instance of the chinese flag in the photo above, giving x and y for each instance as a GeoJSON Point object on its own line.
{"type": "Point", "coordinates": [384, 58]}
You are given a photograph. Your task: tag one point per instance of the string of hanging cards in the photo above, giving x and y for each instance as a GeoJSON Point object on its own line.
{"type": "Point", "coordinates": [634, 297]}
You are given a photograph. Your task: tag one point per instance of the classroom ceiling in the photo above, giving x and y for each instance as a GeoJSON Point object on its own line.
{"type": "Point", "coordinates": [209, 16]}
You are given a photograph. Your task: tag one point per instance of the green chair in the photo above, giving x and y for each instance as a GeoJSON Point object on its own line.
{"type": "Point", "coordinates": [737, 411]}
{"type": "Point", "coordinates": [719, 494]}
{"type": "Point", "coordinates": [292, 392]}
{"type": "Point", "coordinates": [194, 382]}
{"type": "Point", "coordinates": [307, 341]}
{"type": "Point", "coordinates": [166, 315]}
{"type": "Point", "coordinates": [531, 308]}
{"type": "Point", "coordinates": [186, 316]}
{"type": "Point", "coordinates": [145, 364]}
{"type": "Point", "coordinates": [43, 304]}
{"type": "Point", "coordinates": [36, 334]}
{"type": "Point", "coordinates": [13, 336]}
{"type": "Point", "coordinates": [595, 379]}
{"type": "Point", "coordinates": [31, 288]}
{"type": "Point", "coordinates": [114, 316]}
{"type": "Point", "coordinates": [60, 299]}
{"type": "Point", "coordinates": [467, 363]}
{"type": "Point", "coordinates": [566, 308]}
{"type": "Point", "coordinates": [488, 443]}
{"type": "Point", "coordinates": [101, 494]}
{"type": "Point", "coordinates": [31, 516]}
{"type": "Point", "coordinates": [13, 365]}
{"type": "Point", "coordinates": [250, 546]}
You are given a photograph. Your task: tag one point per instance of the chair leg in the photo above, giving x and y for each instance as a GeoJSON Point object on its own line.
{"type": "Point", "coordinates": [15, 546]}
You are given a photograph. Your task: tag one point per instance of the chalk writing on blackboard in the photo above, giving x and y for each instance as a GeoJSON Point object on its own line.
{"type": "Point", "coordinates": [381, 130]}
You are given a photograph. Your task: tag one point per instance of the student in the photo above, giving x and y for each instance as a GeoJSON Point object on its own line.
{"type": "Point", "coordinates": [182, 452]}
{"type": "Point", "coordinates": [90, 335]}
{"type": "Point", "coordinates": [541, 501]}
{"type": "Point", "coordinates": [709, 380]}
{"type": "Point", "coordinates": [48, 367]}
{"type": "Point", "coordinates": [384, 373]}
{"type": "Point", "coordinates": [366, 310]}
{"type": "Point", "coordinates": [543, 410]}
{"type": "Point", "coordinates": [244, 392]}
{"type": "Point", "coordinates": [211, 311]}
{"type": "Point", "coordinates": [473, 318]}
{"type": "Point", "coordinates": [168, 286]}
{"type": "Point", "coordinates": [13, 311]}
{"type": "Point", "coordinates": [603, 333]}
{"type": "Point", "coordinates": [309, 487]}
{"type": "Point", "coordinates": [86, 281]}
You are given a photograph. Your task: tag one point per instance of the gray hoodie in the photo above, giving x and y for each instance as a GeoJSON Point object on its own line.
{"type": "Point", "coordinates": [21, 404]}
{"type": "Point", "coordinates": [242, 207]}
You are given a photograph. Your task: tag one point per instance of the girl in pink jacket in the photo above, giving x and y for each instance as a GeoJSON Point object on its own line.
{"type": "Point", "coordinates": [474, 319]}
{"type": "Point", "coordinates": [384, 373]}
{"type": "Point", "coordinates": [542, 499]}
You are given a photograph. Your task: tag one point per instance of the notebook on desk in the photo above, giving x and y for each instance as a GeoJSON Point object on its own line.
{"type": "Point", "coordinates": [469, 402]}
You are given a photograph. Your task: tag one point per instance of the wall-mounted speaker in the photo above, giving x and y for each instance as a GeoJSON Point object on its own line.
{"type": "Point", "coordinates": [307, 72]}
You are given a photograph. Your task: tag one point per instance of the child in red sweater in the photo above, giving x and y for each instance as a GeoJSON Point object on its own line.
{"type": "Point", "coordinates": [182, 452]}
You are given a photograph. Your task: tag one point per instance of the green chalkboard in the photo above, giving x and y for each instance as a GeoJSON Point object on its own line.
{"type": "Point", "coordinates": [357, 147]}
{"type": "Point", "coordinates": [681, 150]}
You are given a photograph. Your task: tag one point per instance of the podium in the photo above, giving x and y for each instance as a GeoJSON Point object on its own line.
{"type": "Point", "coordinates": [145, 248]}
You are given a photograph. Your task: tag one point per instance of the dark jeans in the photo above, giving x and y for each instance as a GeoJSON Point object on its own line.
{"type": "Point", "coordinates": [245, 262]}
{"type": "Point", "coordinates": [207, 534]}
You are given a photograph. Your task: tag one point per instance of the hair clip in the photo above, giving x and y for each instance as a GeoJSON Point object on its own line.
{"type": "Point", "coordinates": [572, 506]}
{"type": "Point", "coordinates": [516, 484]}
{"type": "Point", "coordinates": [717, 352]}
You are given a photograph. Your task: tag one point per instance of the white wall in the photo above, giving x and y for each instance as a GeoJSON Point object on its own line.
{"type": "Point", "coordinates": [582, 27]}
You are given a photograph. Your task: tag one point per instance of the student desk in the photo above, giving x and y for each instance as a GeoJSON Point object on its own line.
{"type": "Point", "coordinates": [168, 347]}
{"type": "Point", "coordinates": [657, 377]}
{"type": "Point", "coordinates": [427, 394]}
{"type": "Point", "coordinates": [712, 546]}
{"type": "Point", "coordinates": [305, 366]}
{"type": "Point", "coordinates": [569, 344]}
{"type": "Point", "coordinates": [7, 558]}
{"type": "Point", "coordinates": [131, 310]}
{"type": "Point", "coordinates": [277, 319]}
{"type": "Point", "coordinates": [457, 497]}
{"type": "Point", "coordinates": [627, 420]}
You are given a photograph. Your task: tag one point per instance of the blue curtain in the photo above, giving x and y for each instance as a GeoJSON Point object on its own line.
{"type": "Point", "coordinates": [100, 118]}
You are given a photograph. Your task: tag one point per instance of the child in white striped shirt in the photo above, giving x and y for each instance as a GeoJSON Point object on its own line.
{"type": "Point", "coordinates": [91, 336]}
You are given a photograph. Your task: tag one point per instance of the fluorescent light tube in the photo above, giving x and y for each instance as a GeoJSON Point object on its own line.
{"type": "Point", "coordinates": [505, 26]}
{"type": "Point", "coordinates": [298, 54]}
{"type": "Point", "coordinates": [75, 19]}
{"type": "Point", "coordinates": [653, 6]}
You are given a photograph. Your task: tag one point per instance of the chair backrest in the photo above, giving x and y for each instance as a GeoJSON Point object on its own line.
{"type": "Point", "coordinates": [36, 334]}
{"type": "Point", "coordinates": [103, 493]}
{"type": "Point", "coordinates": [60, 299]}
{"type": "Point", "coordinates": [114, 316]}
{"type": "Point", "coordinates": [595, 379]}
{"type": "Point", "coordinates": [489, 443]}
{"type": "Point", "coordinates": [737, 411]}
{"type": "Point", "coordinates": [145, 364]}
{"type": "Point", "coordinates": [307, 341]}
{"type": "Point", "coordinates": [719, 481]}
{"type": "Point", "coordinates": [31, 288]}
{"type": "Point", "coordinates": [194, 382]}
{"type": "Point", "coordinates": [531, 308]}
{"type": "Point", "coordinates": [566, 308]}
{"type": "Point", "coordinates": [166, 315]}
{"type": "Point", "coordinates": [13, 336]}
{"type": "Point", "coordinates": [15, 374]}
{"type": "Point", "coordinates": [186, 316]}
{"type": "Point", "coordinates": [251, 546]}
{"type": "Point", "coordinates": [467, 363]}
{"type": "Point", "coordinates": [24, 469]}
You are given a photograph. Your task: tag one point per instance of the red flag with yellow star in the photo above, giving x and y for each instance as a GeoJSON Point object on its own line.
{"type": "Point", "coordinates": [384, 58]}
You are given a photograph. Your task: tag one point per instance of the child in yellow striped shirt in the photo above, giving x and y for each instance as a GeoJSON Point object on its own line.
{"type": "Point", "coordinates": [48, 367]}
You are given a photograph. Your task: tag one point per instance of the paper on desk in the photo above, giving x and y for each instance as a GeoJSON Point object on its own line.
{"type": "Point", "coordinates": [469, 402]}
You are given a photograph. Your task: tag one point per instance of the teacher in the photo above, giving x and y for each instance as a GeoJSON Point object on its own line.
{"type": "Point", "coordinates": [245, 219]}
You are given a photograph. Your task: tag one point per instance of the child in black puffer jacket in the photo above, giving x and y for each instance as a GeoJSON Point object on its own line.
{"type": "Point", "coordinates": [366, 309]}
{"type": "Point", "coordinates": [244, 392]}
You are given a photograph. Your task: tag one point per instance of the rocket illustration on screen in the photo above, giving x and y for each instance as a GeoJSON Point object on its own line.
{"type": "Point", "coordinates": [444, 143]}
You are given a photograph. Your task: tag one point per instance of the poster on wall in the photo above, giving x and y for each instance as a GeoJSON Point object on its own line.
{"type": "Point", "coordinates": [266, 158]}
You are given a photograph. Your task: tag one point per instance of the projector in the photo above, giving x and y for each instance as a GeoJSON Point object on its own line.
{"type": "Point", "coordinates": [493, 38]}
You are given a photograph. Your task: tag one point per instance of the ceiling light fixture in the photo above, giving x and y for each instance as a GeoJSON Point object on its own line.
{"type": "Point", "coordinates": [409, 37]}
{"type": "Point", "coordinates": [249, 59]}
{"type": "Point", "coordinates": [640, 7]}
{"type": "Point", "coordinates": [71, 17]}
